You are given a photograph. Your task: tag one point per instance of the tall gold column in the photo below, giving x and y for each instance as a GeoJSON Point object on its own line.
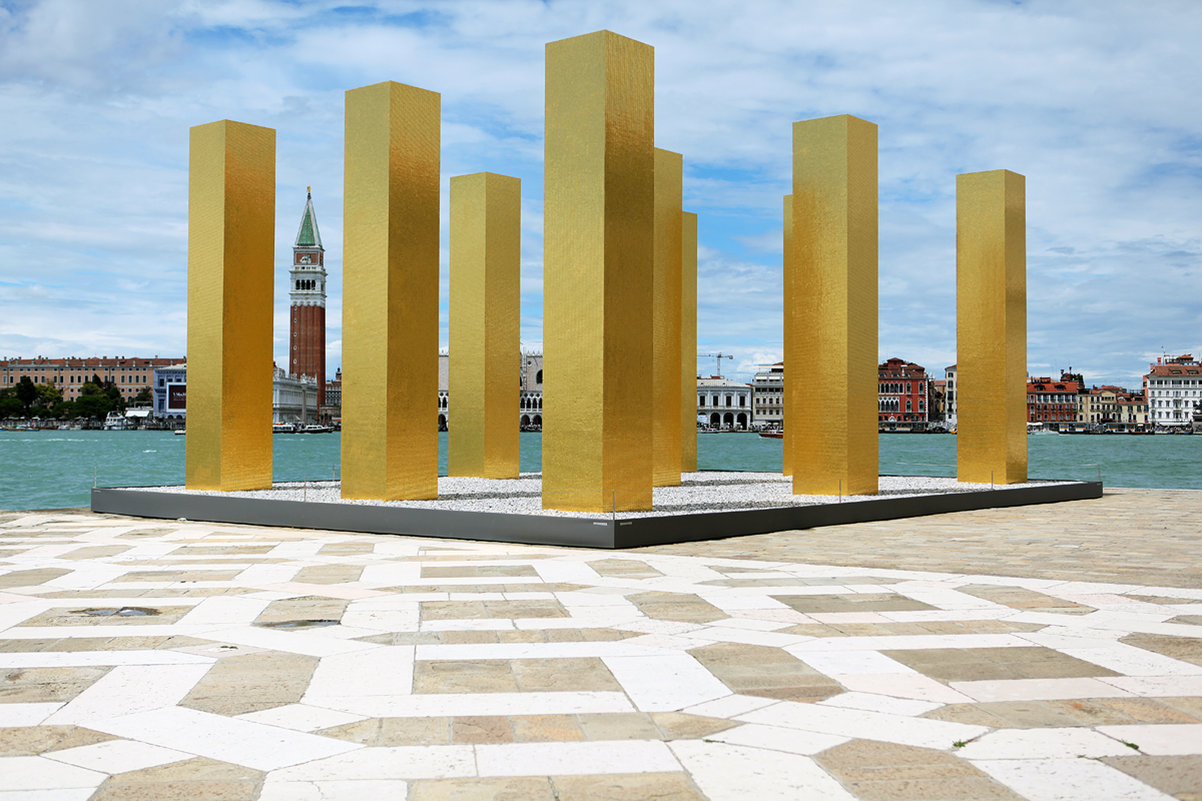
{"type": "Point", "coordinates": [688, 342]}
{"type": "Point", "coordinates": [790, 387]}
{"type": "Point", "coordinates": [485, 342]}
{"type": "Point", "coordinates": [666, 314]}
{"type": "Point", "coordinates": [390, 293]}
{"type": "Point", "coordinates": [231, 255]}
{"type": "Point", "coordinates": [833, 272]}
{"type": "Point", "coordinates": [597, 268]}
{"type": "Point", "coordinates": [991, 327]}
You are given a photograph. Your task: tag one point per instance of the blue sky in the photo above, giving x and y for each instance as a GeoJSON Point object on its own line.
{"type": "Point", "coordinates": [1094, 101]}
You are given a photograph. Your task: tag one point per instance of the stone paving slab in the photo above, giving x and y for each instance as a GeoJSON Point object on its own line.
{"type": "Point", "coordinates": [1032, 653]}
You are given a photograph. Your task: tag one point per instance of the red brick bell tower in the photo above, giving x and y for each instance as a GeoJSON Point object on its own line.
{"type": "Point", "coordinates": [307, 339]}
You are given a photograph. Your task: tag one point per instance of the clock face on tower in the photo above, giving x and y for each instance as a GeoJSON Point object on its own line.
{"type": "Point", "coordinates": [305, 259]}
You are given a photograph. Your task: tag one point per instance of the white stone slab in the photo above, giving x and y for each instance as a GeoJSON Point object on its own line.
{"type": "Point", "coordinates": [1160, 739]}
{"type": "Point", "coordinates": [23, 774]}
{"type": "Point", "coordinates": [27, 714]}
{"type": "Point", "coordinates": [575, 758]}
{"type": "Point", "coordinates": [902, 685]}
{"type": "Point", "coordinates": [118, 756]}
{"type": "Point", "coordinates": [333, 790]}
{"type": "Point", "coordinates": [536, 650]}
{"type": "Point", "coordinates": [910, 642]}
{"type": "Point", "coordinates": [777, 738]}
{"type": "Point", "coordinates": [301, 717]}
{"type": "Point", "coordinates": [1132, 661]}
{"type": "Point", "coordinates": [1068, 780]}
{"type": "Point", "coordinates": [1050, 743]}
{"type": "Point", "coordinates": [665, 683]}
{"type": "Point", "coordinates": [847, 663]}
{"type": "Point", "coordinates": [242, 742]}
{"type": "Point", "coordinates": [873, 702]}
{"type": "Point", "coordinates": [387, 670]}
{"type": "Point", "coordinates": [1155, 686]}
{"type": "Point", "coordinates": [223, 610]}
{"type": "Point", "coordinates": [730, 706]}
{"type": "Point", "coordinates": [127, 689]}
{"type": "Point", "coordinates": [748, 637]}
{"type": "Point", "coordinates": [864, 724]}
{"type": "Point", "coordinates": [1039, 689]}
{"type": "Point", "coordinates": [726, 772]}
{"type": "Point", "coordinates": [394, 762]}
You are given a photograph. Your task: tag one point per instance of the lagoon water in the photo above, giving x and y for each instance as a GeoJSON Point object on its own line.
{"type": "Point", "coordinates": [56, 469]}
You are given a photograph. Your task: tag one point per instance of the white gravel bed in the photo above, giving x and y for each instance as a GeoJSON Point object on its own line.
{"type": "Point", "coordinates": [709, 491]}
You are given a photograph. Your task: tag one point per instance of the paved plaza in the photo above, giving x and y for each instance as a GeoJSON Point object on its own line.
{"type": "Point", "coordinates": [1050, 652]}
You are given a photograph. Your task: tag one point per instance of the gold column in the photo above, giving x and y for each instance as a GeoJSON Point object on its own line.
{"type": "Point", "coordinates": [833, 270]}
{"type": "Point", "coordinates": [688, 342]}
{"type": "Point", "coordinates": [390, 293]}
{"type": "Point", "coordinates": [485, 342]}
{"type": "Point", "coordinates": [991, 327]}
{"type": "Point", "coordinates": [231, 255]}
{"type": "Point", "coordinates": [790, 388]}
{"type": "Point", "coordinates": [597, 268]}
{"type": "Point", "coordinates": [666, 313]}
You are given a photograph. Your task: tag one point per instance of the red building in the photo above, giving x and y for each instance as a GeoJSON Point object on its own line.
{"type": "Point", "coordinates": [1052, 402]}
{"type": "Point", "coordinates": [903, 389]}
{"type": "Point", "coordinates": [307, 317]}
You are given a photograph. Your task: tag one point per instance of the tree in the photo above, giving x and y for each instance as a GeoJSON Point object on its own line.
{"type": "Point", "coordinates": [92, 404]}
{"type": "Point", "coordinates": [144, 397]}
{"type": "Point", "coordinates": [27, 393]}
{"type": "Point", "coordinates": [48, 396]}
{"type": "Point", "coordinates": [9, 405]}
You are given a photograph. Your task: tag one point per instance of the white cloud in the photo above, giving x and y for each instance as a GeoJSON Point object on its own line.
{"type": "Point", "coordinates": [1093, 102]}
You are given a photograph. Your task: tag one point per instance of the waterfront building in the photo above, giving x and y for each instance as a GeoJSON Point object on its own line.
{"type": "Point", "coordinates": [726, 403]}
{"type": "Point", "coordinates": [130, 375]}
{"type": "Point", "coordinates": [1174, 391]}
{"type": "Point", "coordinates": [938, 401]}
{"type": "Point", "coordinates": [331, 408]}
{"type": "Point", "coordinates": [170, 392]}
{"type": "Point", "coordinates": [949, 400]}
{"type": "Point", "coordinates": [530, 395]}
{"type": "Point", "coordinates": [307, 315]}
{"type": "Point", "coordinates": [293, 398]}
{"type": "Point", "coordinates": [1052, 403]}
{"type": "Point", "coordinates": [902, 395]}
{"type": "Point", "coordinates": [768, 396]}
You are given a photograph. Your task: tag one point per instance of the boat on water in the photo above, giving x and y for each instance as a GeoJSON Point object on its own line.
{"type": "Point", "coordinates": [1038, 428]}
{"type": "Point", "coordinates": [773, 434]}
{"type": "Point", "coordinates": [283, 428]}
{"type": "Point", "coordinates": [179, 432]}
{"type": "Point", "coordinates": [116, 421]}
{"type": "Point", "coordinates": [314, 428]}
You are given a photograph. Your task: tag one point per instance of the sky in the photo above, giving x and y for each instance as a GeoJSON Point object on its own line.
{"type": "Point", "coordinates": [1094, 101]}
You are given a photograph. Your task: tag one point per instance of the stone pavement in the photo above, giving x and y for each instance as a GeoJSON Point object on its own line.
{"type": "Point", "coordinates": [1041, 653]}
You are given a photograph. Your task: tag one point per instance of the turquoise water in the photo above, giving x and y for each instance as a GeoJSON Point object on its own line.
{"type": "Point", "coordinates": [55, 469]}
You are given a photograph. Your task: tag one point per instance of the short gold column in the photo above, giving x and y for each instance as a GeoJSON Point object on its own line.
{"type": "Point", "coordinates": [666, 320]}
{"type": "Point", "coordinates": [231, 255]}
{"type": "Point", "coordinates": [790, 388]}
{"type": "Point", "coordinates": [597, 271]}
{"type": "Point", "coordinates": [390, 293]}
{"type": "Point", "coordinates": [688, 342]}
{"type": "Point", "coordinates": [485, 343]}
{"type": "Point", "coordinates": [834, 300]}
{"type": "Point", "coordinates": [991, 327]}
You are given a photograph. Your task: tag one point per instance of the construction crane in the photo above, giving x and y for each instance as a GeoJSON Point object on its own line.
{"type": "Point", "coordinates": [717, 357]}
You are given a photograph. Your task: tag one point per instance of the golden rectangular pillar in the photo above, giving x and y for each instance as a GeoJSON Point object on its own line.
{"type": "Point", "coordinates": [666, 320]}
{"type": "Point", "coordinates": [688, 342]}
{"type": "Point", "coordinates": [390, 293]}
{"type": "Point", "coordinates": [833, 269]}
{"type": "Point", "coordinates": [597, 271]}
{"type": "Point", "coordinates": [485, 341]}
{"type": "Point", "coordinates": [231, 260]}
{"type": "Point", "coordinates": [790, 388]}
{"type": "Point", "coordinates": [991, 327]}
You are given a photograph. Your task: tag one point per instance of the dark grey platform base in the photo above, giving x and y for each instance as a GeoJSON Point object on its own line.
{"type": "Point", "coordinates": [630, 532]}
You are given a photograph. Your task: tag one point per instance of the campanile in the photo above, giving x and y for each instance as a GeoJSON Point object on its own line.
{"type": "Point", "coordinates": [307, 338]}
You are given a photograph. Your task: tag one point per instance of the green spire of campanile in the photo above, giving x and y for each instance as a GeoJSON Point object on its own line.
{"type": "Point", "coordinates": [308, 236]}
